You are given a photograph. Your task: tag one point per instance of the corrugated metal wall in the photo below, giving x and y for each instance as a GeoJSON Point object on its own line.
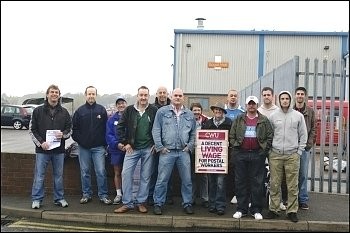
{"type": "Point", "coordinates": [279, 49]}
{"type": "Point", "coordinates": [192, 72]}
{"type": "Point", "coordinates": [249, 55]}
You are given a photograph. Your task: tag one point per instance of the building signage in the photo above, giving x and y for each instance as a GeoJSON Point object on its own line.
{"type": "Point", "coordinates": [217, 65]}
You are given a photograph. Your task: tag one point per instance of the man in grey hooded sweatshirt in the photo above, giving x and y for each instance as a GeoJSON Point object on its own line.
{"type": "Point", "coordinates": [289, 141]}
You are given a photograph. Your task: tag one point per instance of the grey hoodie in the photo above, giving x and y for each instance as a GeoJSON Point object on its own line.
{"type": "Point", "coordinates": [290, 132]}
{"type": "Point", "coordinates": [267, 111]}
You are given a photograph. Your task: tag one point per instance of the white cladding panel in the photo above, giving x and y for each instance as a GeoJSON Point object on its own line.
{"type": "Point", "coordinates": [244, 57]}
{"type": "Point", "coordinates": [196, 50]}
{"type": "Point", "coordinates": [280, 49]}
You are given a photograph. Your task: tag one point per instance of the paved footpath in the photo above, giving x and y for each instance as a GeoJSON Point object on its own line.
{"type": "Point", "coordinates": [328, 213]}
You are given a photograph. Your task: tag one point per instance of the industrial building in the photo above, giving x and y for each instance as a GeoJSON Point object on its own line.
{"type": "Point", "coordinates": [209, 63]}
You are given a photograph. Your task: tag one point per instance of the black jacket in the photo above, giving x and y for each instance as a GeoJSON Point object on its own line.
{"type": "Point", "coordinates": [158, 105]}
{"type": "Point", "coordinates": [127, 124]}
{"type": "Point", "coordinates": [43, 119]}
{"type": "Point", "coordinates": [209, 124]}
{"type": "Point", "coordinates": [89, 125]}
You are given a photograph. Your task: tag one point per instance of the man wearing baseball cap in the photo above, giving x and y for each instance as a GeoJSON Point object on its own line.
{"type": "Point", "coordinates": [252, 98]}
{"type": "Point", "coordinates": [251, 138]}
{"type": "Point", "coordinates": [116, 148]}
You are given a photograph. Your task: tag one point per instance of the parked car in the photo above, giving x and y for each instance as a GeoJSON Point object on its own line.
{"type": "Point", "coordinates": [330, 123]}
{"type": "Point", "coordinates": [31, 105]}
{"type": "Point", "coordinates": [16, 115]}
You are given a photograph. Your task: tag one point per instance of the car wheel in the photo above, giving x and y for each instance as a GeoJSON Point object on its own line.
{"type": "Point", "coordinates": [17, 124]}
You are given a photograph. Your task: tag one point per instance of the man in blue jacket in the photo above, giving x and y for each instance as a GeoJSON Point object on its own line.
{"type": "Point", "coordinates": [115, 147]}
{"type": "Point", "coordinates": [174, 132]}
{"type": "Point", "coordinates": [89, 131]}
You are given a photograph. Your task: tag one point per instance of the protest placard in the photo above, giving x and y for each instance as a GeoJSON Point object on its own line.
{"type": "Point", "coordinates": [211, 151]}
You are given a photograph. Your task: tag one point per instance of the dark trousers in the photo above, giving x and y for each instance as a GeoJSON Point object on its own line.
{"type": "Point", "coordinates": [250, 177]}
{"type": "Point", "coordinates": [230, 179]}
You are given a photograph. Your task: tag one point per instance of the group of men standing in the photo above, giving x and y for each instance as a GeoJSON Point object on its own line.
{"type": "Point", "coordinates": [163, 135]}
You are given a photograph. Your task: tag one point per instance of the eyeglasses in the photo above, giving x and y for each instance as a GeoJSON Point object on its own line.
{"type": "Point", "coordinates": [175, 95]}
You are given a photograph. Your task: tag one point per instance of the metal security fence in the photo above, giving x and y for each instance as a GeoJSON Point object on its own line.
{"type": "Point", "coordinates": [328, 89]}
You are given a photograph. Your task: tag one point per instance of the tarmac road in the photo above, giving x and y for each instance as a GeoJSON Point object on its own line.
{"type": "Point", "coordinates": [19, 141]}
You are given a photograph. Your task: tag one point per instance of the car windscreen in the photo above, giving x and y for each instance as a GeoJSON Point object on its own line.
{"type": "Point", "coordinates": [29, 109]}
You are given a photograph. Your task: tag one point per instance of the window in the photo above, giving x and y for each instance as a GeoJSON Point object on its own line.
{"type": "Point", "coordinates": [203, 101]}
{"type": "Point", "coordinates": [9, 110]}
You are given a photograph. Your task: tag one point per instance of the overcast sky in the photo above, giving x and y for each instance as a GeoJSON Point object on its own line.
{"type": "Point", "coordinates": [119, 46]}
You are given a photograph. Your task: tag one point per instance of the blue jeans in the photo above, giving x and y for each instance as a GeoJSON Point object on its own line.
{"type": "Point", "coordinates": [146, 171]}
{"type": "Point", "coordinates": [303, 177]}
{"type": "Point", "coordinates": [97, 155]}
{"type": "Point", "coordinates": [41, 162]}
{"type": "Point", "coordinates": [217, 191]}
{"type": "Point", "coordinates": [154, 180]}
{"type": "Point", "coordinates": [165, 168]}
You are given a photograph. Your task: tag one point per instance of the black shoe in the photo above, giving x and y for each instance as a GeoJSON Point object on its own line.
{"type": "Point", "coordinates": [169, 201]}
{"type": "Point", "coordinates": [150, 201]}
{"type": "Point", "coordinates": [220, 212]}
{"type": "Point", "coordinates": [212, 210]}
{"type": "Point", "coordinates": [157, 210]}
{"type": "Point", "coordinates": [205, 204]}
{"type": "Point", "coordinates": [303, 206]}
{"type": "Point", "coordinates": [188, 210]}
{"type": "Point", "coordinates": [293, 217]}
{"type": "Point", "coordinates": [271, 215]}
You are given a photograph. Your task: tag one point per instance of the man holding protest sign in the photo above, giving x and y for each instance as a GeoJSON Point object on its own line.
{"type": "Point", "coordinates": [217, 183]}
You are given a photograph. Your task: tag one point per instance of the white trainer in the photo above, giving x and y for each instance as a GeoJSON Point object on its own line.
{"type": "Point", "coordinates": [282, 206]}
{"type": "Point", "coordinates": [36, 205]}
{"type": "Point", "coordinates": [63, 203]}
{"type": "Point", "coordinates": [117, 200]}
{"type": "Point", "coordinates": [234, 200]}
{"type": "Point", "coordinates": [237, 215]}
{"type": "Point", "coordinates": [258, 216]}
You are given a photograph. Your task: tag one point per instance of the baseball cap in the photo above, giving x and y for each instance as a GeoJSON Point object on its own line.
{"type": "Point", "coordinates": [120, 98]}
{"type": "Point", "coordinates": [252, 98]}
